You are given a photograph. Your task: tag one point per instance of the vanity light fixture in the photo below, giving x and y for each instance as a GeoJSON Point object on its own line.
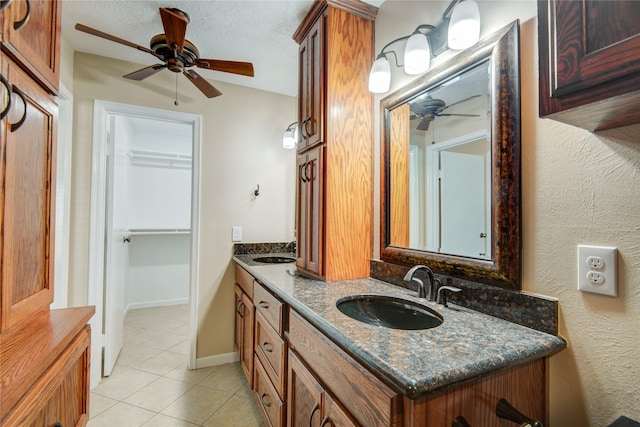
{"type": "Point", "coordinates": [459, 29]}
{"type": "Point", "coordinates": [290, 136]}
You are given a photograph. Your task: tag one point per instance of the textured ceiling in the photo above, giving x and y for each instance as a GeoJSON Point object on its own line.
{"type": "Point", "coordinates": [257, 31]}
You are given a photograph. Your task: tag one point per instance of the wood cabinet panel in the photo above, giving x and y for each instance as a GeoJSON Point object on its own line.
{"type": "Point", "coordinates": [269, 306]}
{"type": "Point", "coordinates": [248, 329]}
{"type": "Point", "coordinates": [267, 399]}
{"type": "Point", "coordinates": [311, 87]}
{"type": "Point", "coordinates": [271, 351]}
{"type": "Point", "coordinates": [36, 44]}
{"type": "Point", "coordinates": [27, 179]}
{"type": "Point", "coordinates": [304, 395]}
{"type": "Point", "coordinates": [370, 401]}
{"type": "Point", "coordinates": [310, 250]}
{"type": "Point", "coordinates": [589, 56]}
{"type": "Point", "coordinates": [245, 281]}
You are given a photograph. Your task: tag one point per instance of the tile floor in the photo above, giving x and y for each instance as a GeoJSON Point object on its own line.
{"type": "Point", "coordinates": [151, 385]}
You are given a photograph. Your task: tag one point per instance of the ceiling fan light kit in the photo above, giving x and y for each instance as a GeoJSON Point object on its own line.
{"type": "Point", "coordinates": [177, 53]}
{"type": "Point", "coordinates": [459, 29]}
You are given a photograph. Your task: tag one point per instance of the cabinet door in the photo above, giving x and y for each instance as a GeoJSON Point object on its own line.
{"type": "Point", "coordinates": [28, 153]}
{"type": "Point", "coordinates": [335, 415]}
{"type": "Point", "coordinates": [594, 42]}
{"type": "Point", "coordinates": [247, 338]}
{"type": "Point", "coordinates": [237, 329]}
{"type": "Point", "coordinates": [304, 396]}
{"type": "Point", "coordinates": [311, 87]}
{"type": "Point", "coordinates": [311, 211]}
{"type": "Point", "coordinates": [34, 44]}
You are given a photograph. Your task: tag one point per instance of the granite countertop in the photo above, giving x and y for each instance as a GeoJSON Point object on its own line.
{"type": "Point", "coordinates": [467, 345]}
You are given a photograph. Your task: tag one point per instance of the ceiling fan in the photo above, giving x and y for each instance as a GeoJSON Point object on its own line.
{"type": "Point", "coordinates": [431, 108]}
{"type": "Point", "coordinates": [176, 53]}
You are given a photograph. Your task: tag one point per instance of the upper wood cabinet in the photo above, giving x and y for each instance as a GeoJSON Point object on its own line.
{"type": "Point", "coordinates": [31, 36]}
{"type": "Point", "coordinates": [311, 87]}
{"type": "Point", "coordinates": [336, 113]}
{"type": "Point", "coordinates": [589, 55]}
{"type": "Point", "coordinates": [27, 206]}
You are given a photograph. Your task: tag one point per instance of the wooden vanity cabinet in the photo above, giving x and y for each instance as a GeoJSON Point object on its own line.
{"type": "Point", "coordinates": [244, 322]}
{"type": "Point", "coordinates": [335, 113]}
{"type": "Point", "coordinates": [589, 53]}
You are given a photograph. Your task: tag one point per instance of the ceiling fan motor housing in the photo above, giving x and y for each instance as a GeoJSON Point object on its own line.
{"type": "Point", "coordinates": [176, 62]}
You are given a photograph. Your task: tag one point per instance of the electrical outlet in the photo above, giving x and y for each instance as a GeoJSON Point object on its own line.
{"type": "Point", "coordinates": [597, 270]}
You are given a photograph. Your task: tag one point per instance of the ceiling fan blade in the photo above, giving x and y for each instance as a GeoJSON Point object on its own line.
{"type": "Point", "coordinates": [424, 123]}
{"type": "Point", "coordinates": [175, 23]}
{"type": "Point", "coordinates": [202, 84]}
{"type": "Point", "coordinates": [106, 36]}
{"type": "Point", "coordinates": [145, 72]}
{"type": "Point", "coordinates": [235, 67]}
{"type": "Point", "coordinates": [460, 102]}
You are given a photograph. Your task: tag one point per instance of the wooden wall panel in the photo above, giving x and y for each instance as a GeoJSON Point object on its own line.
{"type": "Point", "coordinates": [399, 164]}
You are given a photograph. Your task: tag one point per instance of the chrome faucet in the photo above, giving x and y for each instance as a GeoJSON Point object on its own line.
{"type": "Point", "coordinates": [422, 291]}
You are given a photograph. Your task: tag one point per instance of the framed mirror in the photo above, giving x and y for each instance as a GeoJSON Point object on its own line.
{"type": "Point", "coordinates": [451, 166]}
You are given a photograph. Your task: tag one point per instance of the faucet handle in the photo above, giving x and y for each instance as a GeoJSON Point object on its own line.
{"type": "Point", "coordinates": [442, 296]}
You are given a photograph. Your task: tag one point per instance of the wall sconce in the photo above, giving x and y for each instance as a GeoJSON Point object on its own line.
{"type": "Point", "coordinates": [459, 29]}
{"type": "Point", "coordinates": [290, 136]}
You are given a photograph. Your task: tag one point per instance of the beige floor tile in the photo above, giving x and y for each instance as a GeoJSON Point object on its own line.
{"type": "Point", "coordinates": [162, 363]}
{"type": "Point", "coordinates": [98, 404]}
{"type": "Point", "coordinates": [229, 377]}
{"type": "Point", "coordinates": [239, 411]}
{"type": "Point", "coordinates": [162, 341]}
{"type": "Point", "coordinates": [123, 382]}
{"type": "Point", "coordinates": [133, 355]}
{"type": "Point", "coordinates": [159, 394]}
{"type": "Point", "coordinates": [194, 376]}
{"type": "Point", "coordinates": [164, 421]}
{"type": "Point", "coordinates": [121, 414]}
{"type": "Point", "coordinates": [180, 348]}
{"type": "Point", "coordinates": [198, 404]}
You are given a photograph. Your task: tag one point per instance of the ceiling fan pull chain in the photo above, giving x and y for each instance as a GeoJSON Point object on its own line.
{"type": "Point", "coordinates": [176, 103]}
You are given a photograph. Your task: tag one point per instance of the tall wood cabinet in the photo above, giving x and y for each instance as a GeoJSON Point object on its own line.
{"type": "Point", "coordinates": [44, 355]}
{"type": "Point", "coordinates": [589, 54]}
{"type": "Point", "coordinates": [335, 153]}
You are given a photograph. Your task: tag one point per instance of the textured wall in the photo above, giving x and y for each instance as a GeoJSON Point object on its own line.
{"type": "Point", "coordinates": [577, 188]}
{"type": "Point", "coordinates": [241, 147]}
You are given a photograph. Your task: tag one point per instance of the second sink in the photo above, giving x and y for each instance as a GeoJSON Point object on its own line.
{"type": "Point", "coordinates": [389, 312]}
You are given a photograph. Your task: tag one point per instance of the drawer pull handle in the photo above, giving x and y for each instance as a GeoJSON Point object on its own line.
{"type": "Point", "coordinates": [313, 412]}
{"type": "Point", "coordinates": [15, 126]}
{"type": "Point", "coordinates": [19, 24]}
{"type": "Point", "coordinates": [5, 83]}
{"type": "Point", "coordinates": [264, 402]}
{"type": "Point", "coordinates": [57, 425]}
{"type": "Point", "coordinates": [239, 308]}
{"type": "Point", "coordinates": [4, 3]}
{"type": "Point", "coordinates": [264, 304]}
{"type": "Point", "coordinates": [506, 411]}
{"type": "Point", "coordinates": [267, 346]}
{"type": "Point", "coordinates": [325, 421]}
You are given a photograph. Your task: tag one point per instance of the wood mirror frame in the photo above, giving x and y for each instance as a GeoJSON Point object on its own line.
{"type": "Point", "coordinates": [503, 268]}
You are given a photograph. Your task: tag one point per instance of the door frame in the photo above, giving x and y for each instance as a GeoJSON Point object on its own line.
{"type": "Point", "coordinates": [101, 112]}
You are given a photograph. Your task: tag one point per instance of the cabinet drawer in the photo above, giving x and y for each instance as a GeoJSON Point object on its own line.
{"type": "Point", "coordinates": [271, 351]}
{"type": "Point", "coordinates": [370, 401]}
{"type": "Point", "coordinates": [267, 399]}
{"type": "Point", "coordinates": [245, 281]}
{"type": "Point", "coordinates": [269, 306]}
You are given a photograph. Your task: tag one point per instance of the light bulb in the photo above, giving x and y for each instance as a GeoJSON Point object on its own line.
{"type": "Point", "coordinates": [417, 54]}
{"type": "Point", "coordinates": [289, 139]}
{"type": "Point", "coordinates": [464, 26]}
{"type": "Point", "coordinates": [380, 75]}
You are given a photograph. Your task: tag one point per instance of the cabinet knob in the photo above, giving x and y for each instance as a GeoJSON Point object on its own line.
{"type": "Point", "coordinates": [267, 346]}
{"type": "Point", "coordinates": [264, 402]}
{"type": "Point", "coordinates": [506, 411]}
{"type": "Point", "coordinates": [264, 304]}
{"type": "Point", "coordinates": [460, 422]}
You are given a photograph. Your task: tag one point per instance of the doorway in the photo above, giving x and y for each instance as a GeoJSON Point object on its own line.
{"type": "Point", "coordinates": [116, 222]}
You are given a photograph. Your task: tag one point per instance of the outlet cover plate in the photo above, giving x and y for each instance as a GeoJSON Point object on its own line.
{"type": "Point", "coordinates": [601, 280]}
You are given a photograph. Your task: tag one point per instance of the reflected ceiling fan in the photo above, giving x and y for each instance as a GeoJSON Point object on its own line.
{"type": "Point", "coordinates": [176, 53]}
{"type": "Point", "coordinates": [430, 108]}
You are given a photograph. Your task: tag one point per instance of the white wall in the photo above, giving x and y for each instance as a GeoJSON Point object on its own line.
{"type": "Point", "coordinates": [577, 188]}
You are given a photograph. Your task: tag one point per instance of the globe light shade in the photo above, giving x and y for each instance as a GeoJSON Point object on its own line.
{"type": "Point", "coordinates": [380, 76]}
{"type": "Point", "coordinates": [464, 26]}
{"type": "Point", "coordinates": [289, 138]}
{"type": "Point", "coordinates": [417, 55]}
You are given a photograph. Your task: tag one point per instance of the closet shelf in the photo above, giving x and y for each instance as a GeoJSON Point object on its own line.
{"type": "Point", "coordinates": [157, 231]}
{"type": "Point", "coordinates": [153, 158]}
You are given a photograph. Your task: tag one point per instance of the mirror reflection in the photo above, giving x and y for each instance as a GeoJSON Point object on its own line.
{"type": "Point", "coordinates": [440, 167]}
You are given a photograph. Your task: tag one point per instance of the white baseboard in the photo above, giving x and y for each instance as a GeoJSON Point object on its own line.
{"type": "Point", "coordinates": [218, 359]}
{"type": "Point", "coordinates": [157, 303]}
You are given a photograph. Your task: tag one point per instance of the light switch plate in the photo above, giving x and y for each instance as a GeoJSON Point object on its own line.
{"type": "Point", "coordinates": [236, 234]}
{"type": "Point", "coordinates": [597, 270]}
